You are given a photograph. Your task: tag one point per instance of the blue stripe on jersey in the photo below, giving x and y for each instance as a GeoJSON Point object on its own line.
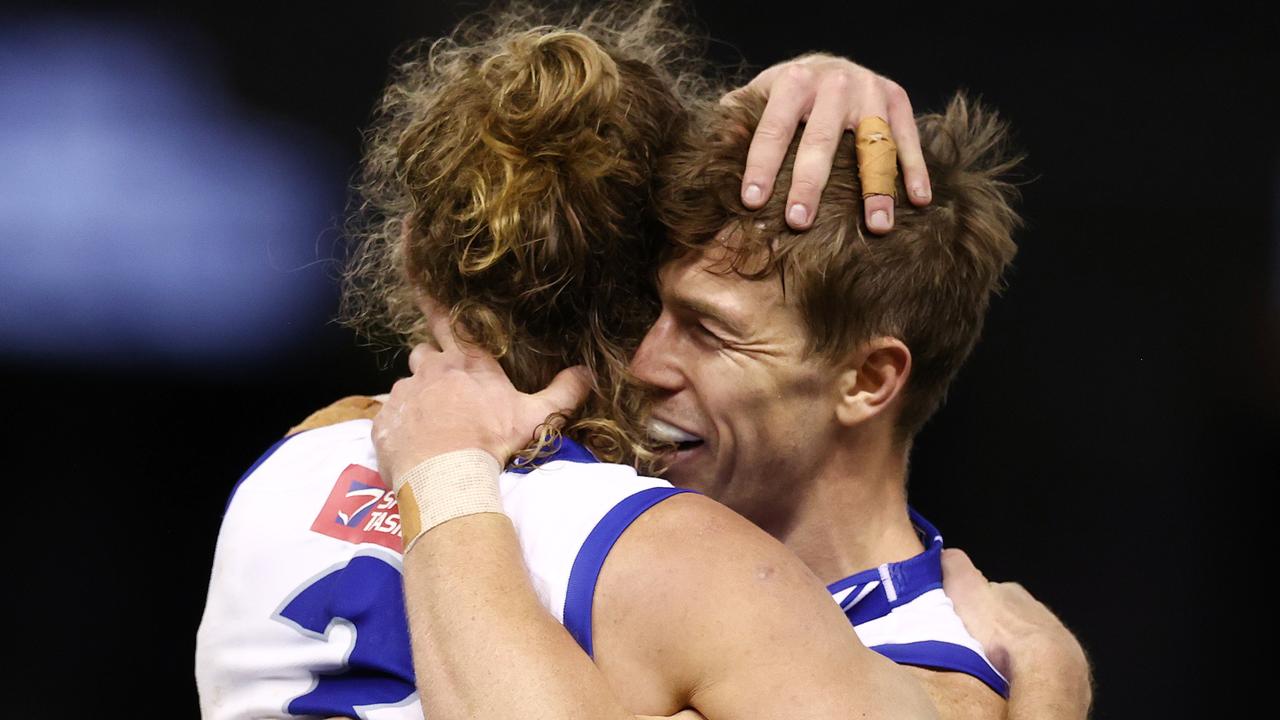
{"type": "Point", "coordinates": [256, 464]}
{"type": "Point", "coordinates": [581, 589]}
{"type": "Point", "coordinates": [896, 584]}
{"type": "Point", "coordinates": [565, 449]}
{"type": "Point", "coordinates": [872, 605]}
{"type": "Point", "coordinates": [945, 656]}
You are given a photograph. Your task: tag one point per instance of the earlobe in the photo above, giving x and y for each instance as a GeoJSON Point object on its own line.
{"type": "Point", "coordinates": [872, 379]}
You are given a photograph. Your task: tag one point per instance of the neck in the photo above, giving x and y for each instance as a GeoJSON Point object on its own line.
{"type": "Point", "coordinates": [853, 515]}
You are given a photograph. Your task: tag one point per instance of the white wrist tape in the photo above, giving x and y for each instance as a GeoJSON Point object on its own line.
{"type": "Point", "coordinates": [448, 486]}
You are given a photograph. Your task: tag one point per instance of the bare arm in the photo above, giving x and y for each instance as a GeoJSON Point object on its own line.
{"type": "Point", "coordinates": [1047, 668]}
{"type": "Point", "coordinates": [727, 620]}
{"type": "Point", "coordinates": [483, 647]}
{"type": "Point", "coordinates": [697, 600]}
{"type": "Point", "coordinates": [694, 608]}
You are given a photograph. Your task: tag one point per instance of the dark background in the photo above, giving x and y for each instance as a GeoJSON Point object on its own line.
{"type": "Point", "coordinates": [1111, 444]}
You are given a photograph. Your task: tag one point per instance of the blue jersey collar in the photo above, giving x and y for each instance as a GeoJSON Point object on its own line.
{"type": "Point", "coordinates": [562, 449]}
{"type": "Point", "coordinates": [872, 593]}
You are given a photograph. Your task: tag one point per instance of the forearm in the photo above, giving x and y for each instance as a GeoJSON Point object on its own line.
{"type": "Point", "coordinates": [483, 646]}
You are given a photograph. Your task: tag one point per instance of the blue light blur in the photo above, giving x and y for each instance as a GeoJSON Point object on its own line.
{"type": "Point", "coordinates": [145, 216]}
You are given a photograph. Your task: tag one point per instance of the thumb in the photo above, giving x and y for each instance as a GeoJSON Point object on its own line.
{"type": "Point", "coordinates": [568, 390]}
{"type": "Point", "coordinates": [974, 603]}
{"type": "Point", "coordinates": [960, 579]}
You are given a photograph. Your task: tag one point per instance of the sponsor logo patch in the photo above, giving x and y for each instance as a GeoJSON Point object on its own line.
{"type": "Point", "coordinates": [361, 509]}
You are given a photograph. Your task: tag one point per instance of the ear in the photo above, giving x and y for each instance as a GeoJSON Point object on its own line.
{"type": "Point", "coordinates": [873, 377]}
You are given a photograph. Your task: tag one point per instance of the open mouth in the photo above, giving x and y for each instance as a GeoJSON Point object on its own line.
{"type": "Point", "coordinates": [666, 432]}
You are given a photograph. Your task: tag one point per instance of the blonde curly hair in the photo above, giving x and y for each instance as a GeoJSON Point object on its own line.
{"type": "Point", "coordinates": [508, 173]}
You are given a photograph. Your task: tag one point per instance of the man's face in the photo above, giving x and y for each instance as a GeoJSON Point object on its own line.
{"type": "Point", "coordinates": [727, 360]}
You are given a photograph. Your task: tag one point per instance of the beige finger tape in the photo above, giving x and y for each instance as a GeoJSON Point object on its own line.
{"type": "Point", "coordinates": [877, 157]}
{"type": "Point", "coordinates": [445, 487]}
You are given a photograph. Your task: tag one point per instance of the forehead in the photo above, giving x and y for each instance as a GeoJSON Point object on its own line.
{"type": "Point", "coordinates": [704, 281]}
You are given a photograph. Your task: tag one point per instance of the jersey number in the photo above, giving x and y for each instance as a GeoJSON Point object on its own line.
{"type": "Point", "coordinates": [366, 594]}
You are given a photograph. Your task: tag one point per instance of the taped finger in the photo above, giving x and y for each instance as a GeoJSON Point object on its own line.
{"type": "Point", "coordinates": [877, 157]}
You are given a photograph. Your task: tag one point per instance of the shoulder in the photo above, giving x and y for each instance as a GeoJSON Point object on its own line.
{"type": "Point", "coordinates": [697, 600]}
{"type": "Point", "coordinates": [306, 458]}
{"type": "Point", "coordinates": [315, 493]}
{"type": "Point", "coordinates": [302, 506]}
{"type": "Point", "coordinates": [691, 543]}
{"type": "Point", "coordinates": [306, 575]}
{"type": "Point", "coordinates": [674, 580]}
{"type": "Point", "coordinates": [349, 439]}
{"type": "Point", "coordinates": [337, 432]}
{"type": "Point", "coordinates": [352, 407]}
{"type": "Point", "coordinates": [568, 516]}
{"type": "Point", "coordinates": [688, 567]}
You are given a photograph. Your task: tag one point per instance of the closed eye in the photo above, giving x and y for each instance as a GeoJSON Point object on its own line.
{"type": "Point", "coordinates": [708, 335]}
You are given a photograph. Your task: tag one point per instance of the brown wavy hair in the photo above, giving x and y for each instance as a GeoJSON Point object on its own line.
{"type": "Point", "coordinates": [508, 172]}
{"type": "Point", "coordinates": [928, 282]}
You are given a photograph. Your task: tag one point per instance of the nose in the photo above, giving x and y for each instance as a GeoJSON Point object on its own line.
{"type": "Point", "coordinates": [655, 361]}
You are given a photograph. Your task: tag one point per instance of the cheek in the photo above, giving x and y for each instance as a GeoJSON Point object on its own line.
{"type": "Point", "coordinates": [758, 406]}
{"type": "Point", "coordinates": [764, 417]}
{"type": "Point", "coordinates": [796, 412]}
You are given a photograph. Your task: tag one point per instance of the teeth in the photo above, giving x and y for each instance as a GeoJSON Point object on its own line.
{"type": "Point", "coordinates": [669, 433]}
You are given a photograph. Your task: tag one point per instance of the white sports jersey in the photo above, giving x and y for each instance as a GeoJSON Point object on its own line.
{"type": "Point", "coordinates": [900, 611]}
{"type": "Point", "coordinates": [305, 614]}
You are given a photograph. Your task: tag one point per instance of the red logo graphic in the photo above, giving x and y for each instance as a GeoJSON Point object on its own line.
{"type": "Point", "coordinates": [361, 509]}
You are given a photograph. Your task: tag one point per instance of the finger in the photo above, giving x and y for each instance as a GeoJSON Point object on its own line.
{"type": "Point", "coordinates": [567, 392]}
{"type": "Point", "coordinates": [877, 165]}
{"type": "Point", "coordinates": [390, 406]}
{"type": "Point", "coordinates": [763, 82]}
{"type": "Point", "coordinates": [959, 576]}
{"type": "Point", "coordinates": [817, 150]}
{"type": "Point", "coordinates": [759, 83]}
{"type": "Point", "coordinates": [398, 392]}
{"type": "Point", "coordinates": [420, 354]}
{"type": "Point", "coordinates": [902, 122]}
{"type": "Point", "coordinates": [957, 561]}
{"type": "Point", "coordinates": [879, 213]}
{"type": "Point", "coordinates": [790, 99]}
{"type": "Point", "coordinates": [439, 322]}
{"type": "Point", "coordinates": [1016, 590]}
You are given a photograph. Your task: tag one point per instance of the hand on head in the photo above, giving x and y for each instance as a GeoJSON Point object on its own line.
{"type": "Point", "coordinates": [831, 95]}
